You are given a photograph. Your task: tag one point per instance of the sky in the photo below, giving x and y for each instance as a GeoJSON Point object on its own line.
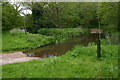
{"type": "Point", "coordinates": [24, 11]}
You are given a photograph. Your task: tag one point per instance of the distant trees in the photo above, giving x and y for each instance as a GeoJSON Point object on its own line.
{"type": "Point", "coordinates": [53, 13]}
{"type": "Point", "coordinates": [37, 16]}
{"type": "Point", "coordinates": [76, 14]}
{"type": "Point", "coordinates": [60, 15]}
{"type": "Point", "coordinates": [87, 13]}
{"type": "Point", "coordinates": [109, 14]}
{"type": "Point", "coordinates": [10, 16]}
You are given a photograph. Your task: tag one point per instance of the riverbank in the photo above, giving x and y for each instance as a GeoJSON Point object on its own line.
{"type": "Point", "coordinates": [15, 41]}
{"type": "Point", "coordinates": [81, 62]}
{"type": "Point", "coordinates": [63, 34]}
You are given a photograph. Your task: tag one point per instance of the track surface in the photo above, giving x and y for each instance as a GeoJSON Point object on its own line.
{"type": "Point", "coordinates": [15, 58]}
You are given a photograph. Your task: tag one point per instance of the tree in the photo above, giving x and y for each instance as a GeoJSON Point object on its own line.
{"type": "Point", "coordinates": [53, 13]}
{"type": "Point", "coordinates": [10, 16]}
{"type": "Point", "coordinates": [36, 19]}
{"type": "Point", "coordinates": [109, 14]}
{"type": "Point", "coordinates": [29, 23]}
{"type": "Point", "coordinates": [87, 13]}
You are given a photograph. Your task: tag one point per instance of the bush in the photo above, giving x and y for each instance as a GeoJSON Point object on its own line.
{"type": "Point", "coordinates": [111, 36]}
{"type": "Point", "coordinates": [63, 34]}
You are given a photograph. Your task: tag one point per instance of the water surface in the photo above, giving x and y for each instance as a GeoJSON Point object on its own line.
{"type": "Point", "coordinates": [61, 48]}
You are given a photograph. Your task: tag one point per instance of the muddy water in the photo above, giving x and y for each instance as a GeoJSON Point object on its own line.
{"type": "Point", "coordinates": [61, 48]}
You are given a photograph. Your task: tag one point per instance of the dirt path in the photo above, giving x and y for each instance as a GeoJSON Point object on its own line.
{"type": "Point", "coordinates": [15, 58]}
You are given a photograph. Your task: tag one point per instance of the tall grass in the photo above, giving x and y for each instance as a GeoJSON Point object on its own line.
{"type": "Point", "coordinates": [18, 41]}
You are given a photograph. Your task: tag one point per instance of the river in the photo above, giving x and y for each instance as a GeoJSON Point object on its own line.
{"type": "Point", "coordinates": [62, 48]}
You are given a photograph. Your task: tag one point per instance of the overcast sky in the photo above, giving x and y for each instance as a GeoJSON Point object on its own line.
{"type": "Point", "coordinates": [24, 11]}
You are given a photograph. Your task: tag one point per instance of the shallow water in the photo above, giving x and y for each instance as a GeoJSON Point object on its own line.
{"type": "Point", "coordinates": [61, 48]}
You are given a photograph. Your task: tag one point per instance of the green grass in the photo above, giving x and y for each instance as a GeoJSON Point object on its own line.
{"type": "Point", "coordinates": [81, 62]}
{"type": "Point", "coordinates": [18, 41]}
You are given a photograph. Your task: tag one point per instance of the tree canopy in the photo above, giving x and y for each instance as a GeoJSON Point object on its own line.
{"type": "Point", "coordinates": [61, 15]}
{"type": "Point", "coordinates": [10, 16]}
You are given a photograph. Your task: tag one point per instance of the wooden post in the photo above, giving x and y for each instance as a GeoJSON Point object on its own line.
{"type": "Point", "coordinates": [98, 49]}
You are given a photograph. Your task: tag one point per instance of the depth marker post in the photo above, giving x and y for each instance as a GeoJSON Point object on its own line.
{"type": "Point", "coordinates": [98, 42]}
{"type": "Point", "coordinates": [98, 49]}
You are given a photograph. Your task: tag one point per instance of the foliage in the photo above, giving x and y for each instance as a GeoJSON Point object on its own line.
{"type": "Point", "coordinates": [112, 36]}
{"type": "Point", "coordinates": [10, 16]}
{"type": "Point", "coordinates": [17, 41]}
{"type": "Point", "coordinates": [29, 23]}
{"type": "Point", "coordinates": [37, 15]}
{"type": "Point", "coordinates": [87, 13]}
{"type": "Point", "coordinates": [61, 15]}
{"type": "Point", "coordinates": [63, 34]}
{"type": "Point", "coordinates": [110, 27]}
{"type": "Point", "coordinates": [109, 13]}
{"type": "Point", "coordinates": [54, 13]}
{"type": "Point", "coordinates": [78, 63]}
